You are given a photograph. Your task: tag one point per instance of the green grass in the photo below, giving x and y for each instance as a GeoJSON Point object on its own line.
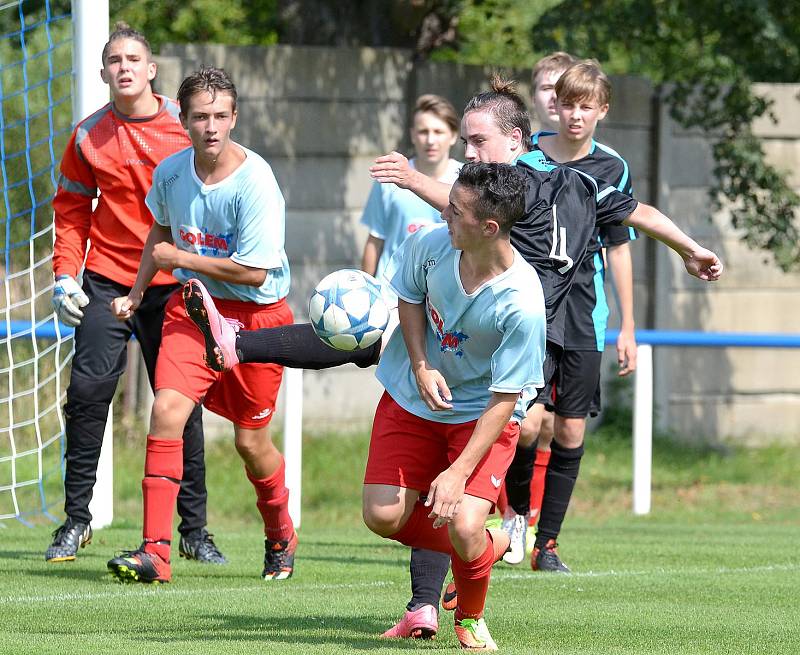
{"type": "Point", "coordinates": [714, 569]}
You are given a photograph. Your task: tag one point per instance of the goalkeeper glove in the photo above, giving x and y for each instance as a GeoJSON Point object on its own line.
{"type": "Point", "coordinates": [68, 298]}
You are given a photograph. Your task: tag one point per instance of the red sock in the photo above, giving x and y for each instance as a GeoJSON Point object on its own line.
{"type": "Point", "coordinates": [537, 484]}
{"type": "Point", "coordinates": [472, 581]}
{"type": "Point", "coordinates": [163, 471]}
{"type": "Point", "coordinates": [272, 500]}
{"type": "Point", "coordinates": [418, 532]}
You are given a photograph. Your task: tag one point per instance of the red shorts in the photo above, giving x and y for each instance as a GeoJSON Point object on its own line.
{"type": "Point", "coordinates": [408, 451]}
{"type": "Point", "coordinates": [246, 394]}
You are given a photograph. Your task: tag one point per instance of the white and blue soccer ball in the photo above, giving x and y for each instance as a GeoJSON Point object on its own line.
{"type": "Point", "coordinates": [347, 310]}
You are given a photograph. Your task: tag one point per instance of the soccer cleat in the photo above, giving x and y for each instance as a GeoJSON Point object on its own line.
{"type": "Point", "coordinates": [515, 525]}
{"type": "Point", "coordinates": [66, 541]}
{"type": "Point", "coordinates": [279, 558]}
{"type": "Point", "coordinates": [198, 545]}
{"type": "Point", "coordinates": [546, 558]}
{"type": "Point", "coordinates": [219, 332]}
{"type": "Point", "coordinates": [139, 566]}
{"type": "Point", "coordinates": [450, 597]}
{"type": "Point", "coordinates": [474, 635]}
{"type": "Point", "coordinates": [422, 623]}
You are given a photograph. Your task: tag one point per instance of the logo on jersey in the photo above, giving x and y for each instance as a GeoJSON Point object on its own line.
{"type": "Point", "coordinates": [205, 243]}
{"type": "Point", "coordinates": [448, 341]}
{"type": "Point", "coordinates": [414, 227]}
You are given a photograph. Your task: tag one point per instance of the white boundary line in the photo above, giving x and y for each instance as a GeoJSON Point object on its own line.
{"type": "Point", "coordinates": [499, 576]}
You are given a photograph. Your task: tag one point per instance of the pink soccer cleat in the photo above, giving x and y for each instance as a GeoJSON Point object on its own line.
{"type": "Point", "coordinates": [219, 333]}
{"type": "Point", "coordinates": [422, 623]}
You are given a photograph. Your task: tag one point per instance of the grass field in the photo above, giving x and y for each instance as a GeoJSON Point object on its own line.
{"type": "Point", "coordinates": [714, 569]}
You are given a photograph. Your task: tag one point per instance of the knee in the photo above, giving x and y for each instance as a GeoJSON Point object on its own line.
{"type": "Point", "coordinates": [467, 528]}
{"type": "Point", "coordinates": [383, 520]}
{"type": "Point", "coordinates": [90, 395]}
{"type": "Point", "coordinates": [528, 433]}
{"type": "Point", "coordinates": [169, 414]}
{"type": "Point", "coordinates": [250, 444]}
{"type": "Point", "coordinates": [570, 432]}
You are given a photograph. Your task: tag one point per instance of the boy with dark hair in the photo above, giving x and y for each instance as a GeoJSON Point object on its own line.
{"type": "Point", "coordinates": [219, 223]}
{"type": "Point", "coordinates": [457, 380]}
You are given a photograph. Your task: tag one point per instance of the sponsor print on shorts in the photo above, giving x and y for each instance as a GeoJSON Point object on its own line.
{"type": "Point", "coordinates": [206, 243]}
{"type": "Point", "coordinates": [262, 414]}
{"type": "Point", "coordinates": [496, 482]}
{"type": "Point", "coordinates": [448, 341]}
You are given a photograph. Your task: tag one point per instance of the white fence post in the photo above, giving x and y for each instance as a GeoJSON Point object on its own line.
{"type": "Point", "coordinates": [293, 438]}
{"type": "Point", "coordinates": [90, 25]}
{"type": "Point", "coordinates": [643, 429]}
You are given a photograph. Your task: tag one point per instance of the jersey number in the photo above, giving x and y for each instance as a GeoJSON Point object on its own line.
{"type": "Point", "coordinates": [558, 251]}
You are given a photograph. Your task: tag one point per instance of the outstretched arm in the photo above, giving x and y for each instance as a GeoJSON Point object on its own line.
{"type": "Point", "coordinates": [699, 261]}
{"type": "Point", "coordinates": [395, 169]}
{"type": "Point", "coordinates": [621, 267]}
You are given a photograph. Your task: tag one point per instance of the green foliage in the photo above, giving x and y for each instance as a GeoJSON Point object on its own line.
{"type": "Point", "coordinates": [707, 55]}
{"type": "Point", "coordinates": [496, 33]}
{"type": "Point", "coordinates": [234, 22]}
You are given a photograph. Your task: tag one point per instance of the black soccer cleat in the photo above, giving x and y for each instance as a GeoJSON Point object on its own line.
{"type": "Point", "coordinates": [546, 558]}
{"type": "Point", "coordinates": [139, 566]}
{"type": "Point", "coordinates": [198, 545]}
{"type": "Point", "coordinates": [279, 558]}
{"type": "Point", "coordinates": [66, 541]}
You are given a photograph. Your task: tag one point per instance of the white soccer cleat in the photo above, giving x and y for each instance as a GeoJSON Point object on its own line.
{"type": "Point", "coordinates": [516, 526]}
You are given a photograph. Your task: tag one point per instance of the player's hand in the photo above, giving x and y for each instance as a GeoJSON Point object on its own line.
{"type": "Point", "coordinates": [68, 299]}
{"type": "Point", "coordinates": [433, 389]}
{"type": "Point", "coordinates": [703, 264]}
{"type": "Point", "coordinates": [445, 496]}
{"type": "Point", "coordinates": [123, 307]}
{"type": "Point", "coordinates": [165, 256]}
{"type": "Point", "coordinates": [626, 352]}
{"type": "Point", "coordinates": [392, 168]}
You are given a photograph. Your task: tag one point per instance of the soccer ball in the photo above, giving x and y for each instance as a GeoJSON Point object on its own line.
{"type": "Point", "coordinates": [347, 310]}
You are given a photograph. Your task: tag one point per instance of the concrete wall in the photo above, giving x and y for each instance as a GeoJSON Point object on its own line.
{"type": "Point", "coordinates": [320, 116]}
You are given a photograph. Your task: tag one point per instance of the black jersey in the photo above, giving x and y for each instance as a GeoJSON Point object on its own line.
{"type": "Point", "coordinates": [562, 208]}
{"type": "Point", "coordinates": [586, 305]}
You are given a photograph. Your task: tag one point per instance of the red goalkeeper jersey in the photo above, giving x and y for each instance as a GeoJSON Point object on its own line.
{"type": "Point", "coordinates": [113, 155]}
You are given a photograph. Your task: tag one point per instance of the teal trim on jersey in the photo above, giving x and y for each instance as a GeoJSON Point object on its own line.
{"type": "Point", "coordinates": [625, 172]}
{"type": "Point", "coordinates": [600, 311]}
{"type": "Point", "coordinates": [537, 160]}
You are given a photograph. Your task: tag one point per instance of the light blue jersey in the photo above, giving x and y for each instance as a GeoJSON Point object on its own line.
{"type": "Point", "coordinates": [491, 340]}
{"type": "Point", "coordinates": [242, 217]}
{"type": "Point", "coordinates": [392, 214]}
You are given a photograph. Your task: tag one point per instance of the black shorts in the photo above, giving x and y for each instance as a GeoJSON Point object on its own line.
{"type": "Point", "coordinates": [574, 390]}
{"type": "Point", "coordinates": [552, 358]}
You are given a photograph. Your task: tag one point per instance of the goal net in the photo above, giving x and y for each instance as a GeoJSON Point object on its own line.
{"type": "Point", "coordinates": [35, 116]}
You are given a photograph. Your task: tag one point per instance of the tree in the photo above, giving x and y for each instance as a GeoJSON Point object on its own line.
{"type": "Point", "coordinates": [707, 54]}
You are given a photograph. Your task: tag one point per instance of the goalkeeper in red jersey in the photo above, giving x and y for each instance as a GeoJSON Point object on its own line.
{"type": "Point", "coordinates": [112, 154]}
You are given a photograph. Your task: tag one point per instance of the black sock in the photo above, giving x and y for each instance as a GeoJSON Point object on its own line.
{"type": "Point", "coordinates": [518, 479]}
{"type": "Point", "coordinates": [428, 571]}
{"type": "Point", "coordinates": [298, 346]}
{"type": "Point", "coordinates": [562, 472]}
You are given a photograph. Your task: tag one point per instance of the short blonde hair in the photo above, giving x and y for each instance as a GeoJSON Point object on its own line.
{"type": "Point", "coordinates": [556, 62]}
{"type": "Point", "coordinates": [584, 80]}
